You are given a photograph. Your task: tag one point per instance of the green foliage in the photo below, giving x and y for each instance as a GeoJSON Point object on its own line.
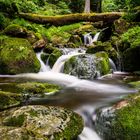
{"type": "Point", "coordinates": [109, 6]}
{"type": "Point", "coordinates": [4, 21]}
{"type": "Point", "coordinates": [132, 37]}
{"type": "Point", "coordinates": [62, 32]}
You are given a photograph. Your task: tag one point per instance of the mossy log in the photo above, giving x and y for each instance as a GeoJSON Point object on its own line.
{"type": "Point", "coordinates": [71, 18]}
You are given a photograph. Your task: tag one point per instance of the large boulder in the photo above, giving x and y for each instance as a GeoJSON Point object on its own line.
{"type": "Point", "coordinates": [131, 59]}
{"type": "Point", "coordinates": [131, 49]}
{"type": "Point", "coordinates": [121, 121]}
{"type": "Point", "coordinates": [40, 123]}
{"type": "Point", "coordinates": [86, 66]}
{"type": "Point", "coordinates": [17, 56]}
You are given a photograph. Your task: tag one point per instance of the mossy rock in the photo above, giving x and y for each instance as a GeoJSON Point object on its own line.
{"type": "Point", "coordinates": [17, 56]}
{"type": "Point", "coordinates": [120, 122]}
{"type": "Point", "coordinates": [29, 88]}
{"type": "Point", "coordinates": [102, 63]}
{"type": "Point", "coordinates": [54, 56]}
{"type": "Point", "coordinates": [8, 99]}
{"type": "Point", "coordinates": [135, 84]}
{"type": "Point", "coordinates": [107, 47]}
{"type": "Point", "coordinates": [131, 59]}
{"type": "Point", "coordinates": [76, 39]}
{"type": "Point", "coordinates": [15, 31]}
{"type": "Point", "coordinates": [86, 66]}
{"type": "Point", "coordinates": [40, 122]}
{"type": "Point", "coordinates": [121, 26]}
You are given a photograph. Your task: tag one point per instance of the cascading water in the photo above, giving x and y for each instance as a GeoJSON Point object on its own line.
{"type": "Point", "coordinates": [82, 96]}
{"type": "Point", "coordinates": [44, 67]}
{"type": "Point", "coordinates": [58, 66]}
{"type": "Point", "coordinates": [89, 39]}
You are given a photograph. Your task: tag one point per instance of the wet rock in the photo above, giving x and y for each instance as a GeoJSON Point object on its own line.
{"type": "Point", "coordinates": [29, 88]}
{"type": "Point", "coordinates": [105, 46]}
{"type": "Point", "coordinates": [39, 44]}
{"type": "Point", "coordinates": [16, 31]}
{"type": "Point", "coordinates": [54, 56]}
{"type": "Point", "coordinates": [40, 123]}
{"type": "Point", "coordinates": [88, 66]}
{"type": "Point", "coordinates": [17, 56]}
{"type": "Point", "coordinates": [121, 121]}
{"type": "Point", "coordinates": [8, 99]}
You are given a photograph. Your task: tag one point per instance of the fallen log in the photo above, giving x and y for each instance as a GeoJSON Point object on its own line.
{"type": "Point", "coordinates": [71, 18]}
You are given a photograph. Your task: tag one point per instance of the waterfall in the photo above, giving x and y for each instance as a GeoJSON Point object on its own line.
{"type": "Point", "coordinates": [88, 39]}
{"type": "Point", "coordinates": [44, 67]}
{"type": "Point", "coordinates": [83, 96]}
{"type": "Point", "coordinates": [58, 66]}
{"type": "Point", "coordinates": [112, 65]}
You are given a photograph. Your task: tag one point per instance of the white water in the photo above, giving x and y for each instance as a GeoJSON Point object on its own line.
{"type": "Point", "coordinates": [59, 64]}
{"type": "Point", "coordinates": [88, 39]}
{"type": "Point", "coordinates": [83, 94]}
{"type": "Point", "coordinates": [44, 67]}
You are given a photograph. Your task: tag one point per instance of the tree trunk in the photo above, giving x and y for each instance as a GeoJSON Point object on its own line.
{"type": "Point", "coordinates": [87, 6]}
{"type": "Point", "coordinates": [71, 18]}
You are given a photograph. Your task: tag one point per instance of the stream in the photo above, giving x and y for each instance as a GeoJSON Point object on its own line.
{"type": "Point", "coordinates": [82, 96]}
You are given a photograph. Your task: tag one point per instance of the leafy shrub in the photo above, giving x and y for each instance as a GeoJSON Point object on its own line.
{"type": "Point", "coordinates": [3, 21]}
{"type": "Point", "coordinates": [132, 37]}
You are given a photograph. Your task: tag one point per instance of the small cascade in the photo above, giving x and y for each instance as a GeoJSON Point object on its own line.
{"type": "Point", "coordinates": [44, 67]}
{"type": "Point", "coordinates": [68, 53]}
{"type": "Point", "coordinates": [112, 65]}
{"type": "Point", "coordinates": [83, 96]}
{"type": "Point", "coordinates": [89, 39]}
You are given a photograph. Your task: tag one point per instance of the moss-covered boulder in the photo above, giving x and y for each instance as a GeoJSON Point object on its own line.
{"type": "Point", "coordinates": [120, 122]}
{"type": "Point", "coordinates": [131, 59]}
{"type": "Point", "coordinates": [29, 88]}
{"type": "Point", "coordinates": [15, 31]}
{"type": "Point", "coordinates": [17, 56]}
{"type": "Point", "coordinates": [86, 66]}
{"type": "Point", "coordinates": [40, 122]}
{"type": "Point", "coordinates": [8, 99]}
{"type": "Point", "coordinates": [105, 46]}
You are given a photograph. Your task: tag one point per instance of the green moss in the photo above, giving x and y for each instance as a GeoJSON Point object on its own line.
{"type": "Point", "coordinates": [54, 56]}
{"type": "Point", "coordinates": [126, 125]}
{"type": "Point", "coordinates": [17, 56]}
{"type": "Point", "coordinates": [105, 46]}
{"type": "Point", "coordinates": [29, 88]}
{"type": "Point", "coordinates": [103, 63]}
{"type": "Point", "coordinates": [16, 121]}
{"type": "Point", "coordinates": [132, 36]}
{"type": "Point", "coordinates": [135, 84]}
{"type": "Point", "coordinates": [15, 31]}
{"type": "Point", "coordinates": [72, 129]}
{"type": "Point", "coordinates": [61, 34]}
{"type": "Point", "coordinates": [8, 99]}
